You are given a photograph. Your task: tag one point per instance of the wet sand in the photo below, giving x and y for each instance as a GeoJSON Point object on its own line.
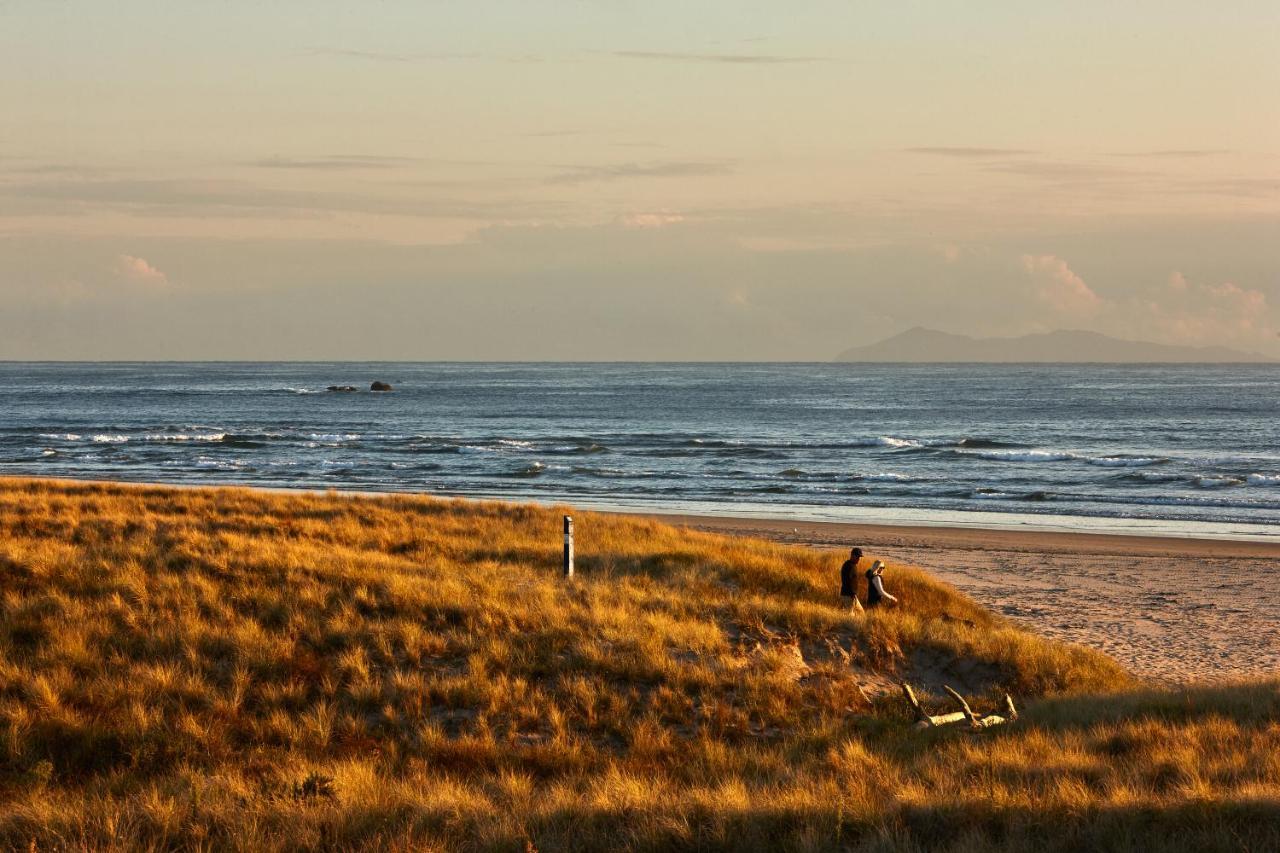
{"type": "Point", "coordinates": [1169, 609]}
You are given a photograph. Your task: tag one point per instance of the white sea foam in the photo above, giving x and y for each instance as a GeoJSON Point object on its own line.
{"type": "Point", "coordinates": [1126, 461]}
{"type": "Point", "coordinates": [1154, 476]}
{"type": "Point", "coordinates": [1264, 479]}
{"type": "Point", "coordinates": [894, 441]}
{"type": "Point", "coordinates": [110, 439]}
{"type": "Point", "coordinates": [1218, 482]}
{"type": "Point", "coordinates": [61, 436]}
{"type": "Point", "coordinates": [1021, 455]}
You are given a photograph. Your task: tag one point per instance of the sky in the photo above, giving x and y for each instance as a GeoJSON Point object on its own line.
{"type": "Point", "coordinates": [610, 180]}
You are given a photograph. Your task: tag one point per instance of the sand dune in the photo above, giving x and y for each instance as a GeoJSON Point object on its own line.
{"type": "Point", "coordinates": [1173, 610]}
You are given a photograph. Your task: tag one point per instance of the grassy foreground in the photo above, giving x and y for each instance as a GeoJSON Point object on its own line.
{"type": "Point", "coordinates": [236, 669]}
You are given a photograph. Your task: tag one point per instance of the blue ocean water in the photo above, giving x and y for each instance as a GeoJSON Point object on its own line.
{"type": "Point", "coordinates": [1192, 449]}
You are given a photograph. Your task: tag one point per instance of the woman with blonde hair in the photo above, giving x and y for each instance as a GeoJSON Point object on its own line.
{"type": "Point", "coordinates": [876, 594]}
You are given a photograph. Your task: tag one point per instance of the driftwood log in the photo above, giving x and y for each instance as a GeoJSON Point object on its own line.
{"type": "Point", "coordinates": [925, 720]}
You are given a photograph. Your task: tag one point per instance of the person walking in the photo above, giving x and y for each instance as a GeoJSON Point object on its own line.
{"type": "Point", "coordinates": [849, 581]}
{"type": "Point", "coordinates": [876, 594]}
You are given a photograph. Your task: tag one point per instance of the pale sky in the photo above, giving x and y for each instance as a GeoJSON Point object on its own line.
{"type": "Point", "coordinates": [614, 180]}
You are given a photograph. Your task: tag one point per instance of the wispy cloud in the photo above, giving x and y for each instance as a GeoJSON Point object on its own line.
{"type": "Point", "coordinates": [1060, 170]}
{"type": "Point", "coordinates": [1026, 162]}
{"type": "Point", "coordinates": [576, 174]}
{"type": "Point", "coordinates": [538, 134]}
{"type": "Point", "coordinates": [239, 198]}
{"type": "Point", "coordinates": [1172, 153]}
{"type": "Point", "coordinates": [384, 56]}
{"type": "Point", "coordinates": [965, 152]}
{"type": "Point", "coordinates": [334, 162]}
{"type": "Point", "coordinates": [1244, 188]}
{"type": "Point", "coordinates": [723, 58]}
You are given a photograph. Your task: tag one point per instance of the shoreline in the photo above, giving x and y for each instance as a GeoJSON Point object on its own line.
{"type": "Point", "coordinates": [1147, 535]}
{"type": "Point", "coordinates": [835, 534]}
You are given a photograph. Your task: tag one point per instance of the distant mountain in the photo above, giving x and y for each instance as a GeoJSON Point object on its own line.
{"type": "Point", "coordinates": [923, 345]}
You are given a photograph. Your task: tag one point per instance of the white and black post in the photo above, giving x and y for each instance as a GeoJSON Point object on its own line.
{"type": "Point", "coordinates": [568, 546]}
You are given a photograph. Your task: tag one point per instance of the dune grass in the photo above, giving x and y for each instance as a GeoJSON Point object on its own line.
{"type": "Point", "coordinates": [237, 669]}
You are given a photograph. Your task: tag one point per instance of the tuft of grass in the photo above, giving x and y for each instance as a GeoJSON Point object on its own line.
{"type": "Point", "coordinates": [230, 668]}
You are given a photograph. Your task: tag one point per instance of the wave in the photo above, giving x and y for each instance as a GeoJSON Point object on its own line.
{"type": "Point", "coordinates": [1150, 477]}
{"type": "Point", "coordinates": [894, 441]}
{"type": "Point", "coordinates": [1123, 461]}
{"type": "Point", "coordinates": [885, 477]}
{"type": "Point", "coordinates": [182, 436]}
{"type": "Point", "coordinates": [334, 436]}
{"type": "Point", "coordinates": [1263, 479]}
{"type": "Point", "coordinates": [992, 494]}
{"type": "Point", "coordinates": [985, 443]}
{"type": "Point", "coordinates": [1116, 460]}
{"type": "Point", "coordinates": [1218, 481]}
{"type": "Point", "coordinates": [589, 447]}
{"type": "Point", "coordinates": [1021, 455]}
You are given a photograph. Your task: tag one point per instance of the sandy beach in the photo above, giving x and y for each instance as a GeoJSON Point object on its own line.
{"type": "Point", "coordinates": [1173, 610]}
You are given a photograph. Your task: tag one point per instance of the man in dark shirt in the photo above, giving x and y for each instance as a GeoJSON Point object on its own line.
{"type": "Point", "coordinates": [849, 581]}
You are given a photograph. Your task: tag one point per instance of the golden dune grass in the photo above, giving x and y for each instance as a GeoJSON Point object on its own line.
{"type": "Point", "coordinates": [228, 668]}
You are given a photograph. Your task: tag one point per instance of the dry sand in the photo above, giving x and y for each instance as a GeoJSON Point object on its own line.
{"type": "Point", "coordinates": [1173, 610]}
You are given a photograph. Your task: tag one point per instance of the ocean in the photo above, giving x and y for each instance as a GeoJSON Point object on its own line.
{"type": "Point", "coordinates": [1167, 449]}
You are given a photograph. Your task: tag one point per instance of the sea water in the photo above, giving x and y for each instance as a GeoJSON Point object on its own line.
{"type": "Point", "coordinates": [1155, 448]}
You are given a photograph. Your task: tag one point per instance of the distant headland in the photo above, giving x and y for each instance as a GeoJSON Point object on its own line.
{"type": "Point", "coordinates": [1070, 346]}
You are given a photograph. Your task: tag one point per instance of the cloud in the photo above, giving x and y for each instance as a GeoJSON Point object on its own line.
{"type": "Point", "coordinates": [333, 162]}
{"type": "Point", "coordinates": [665, 169]}
{"type": "Point", "coordinates": [1265, 188]}
{"type": "Point", "coordinates": [1173, 153]}
{"type": "Point", "coordinates": [720, 58]}
{"type": "Point", "coordinates": [954, 253]}
{"type": "Point", "coordinates": [385, 56]}
{"type": "Point", "coordinates": [970, 153]}
{"type": "Point", "coordinates": [1223, 313]}
{"type": "Point", "coordinates": [1022, 161]}
{"type": "Point", "coordinates": [133, 268]}
{"type": "Point", "coordinates": [657, 219]}
{"type": "Point", "coordinates": [1059, 286]}
{"type": "Point", "coordinates": [1179, 311]}
{"type": "Point", "coordinates": [1061, 170]}
{"type": "Point", "coordinates": [239, 198]}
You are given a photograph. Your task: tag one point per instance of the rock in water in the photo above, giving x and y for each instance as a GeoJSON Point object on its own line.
{"type": "Point", "coordinates": [380, 386]}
